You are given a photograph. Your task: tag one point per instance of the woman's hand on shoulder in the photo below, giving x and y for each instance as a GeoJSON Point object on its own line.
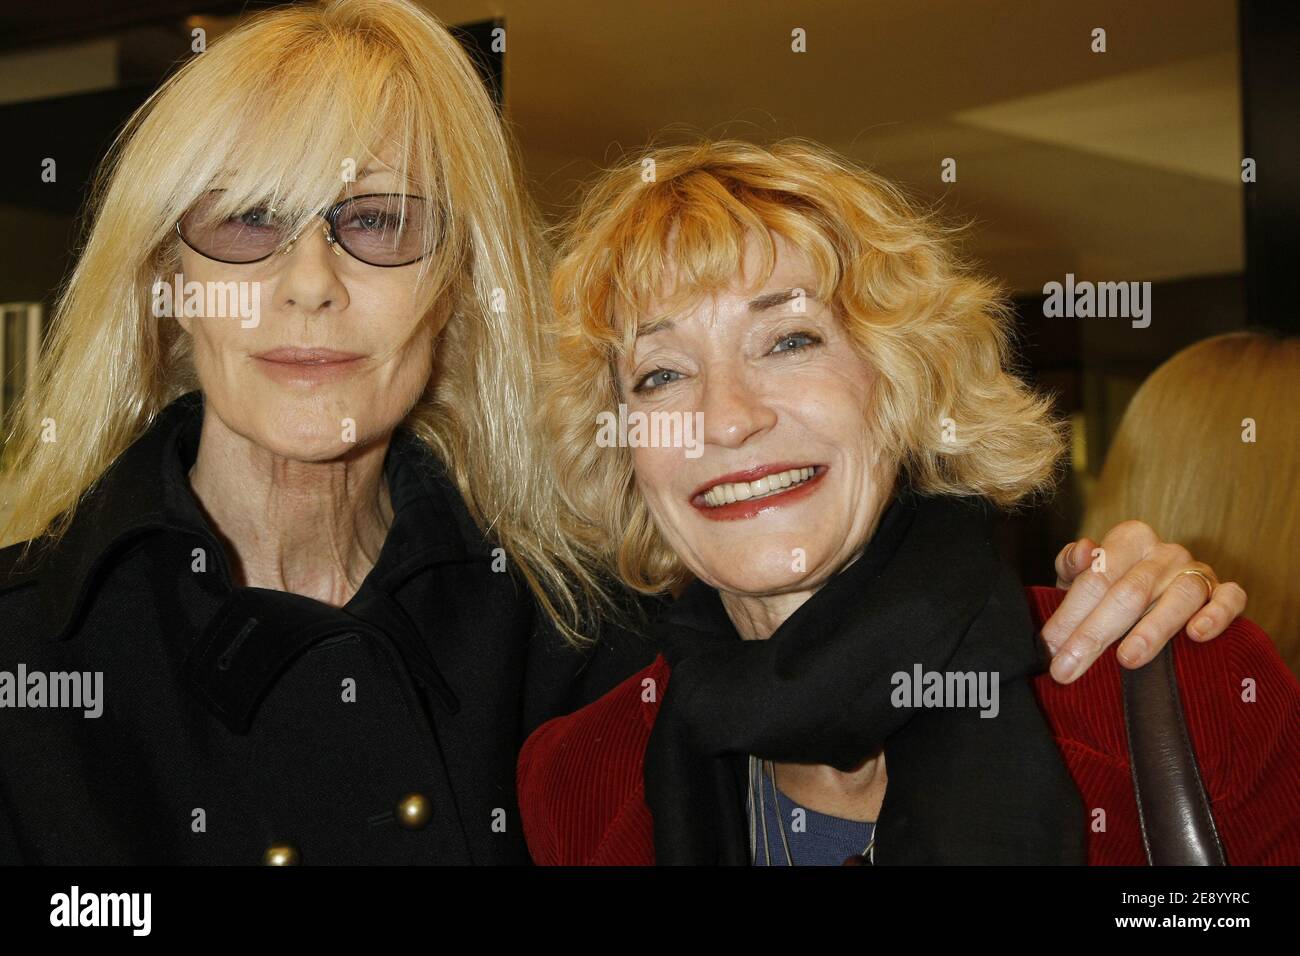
{"type": "Point", "coordinates": [1134, 580]}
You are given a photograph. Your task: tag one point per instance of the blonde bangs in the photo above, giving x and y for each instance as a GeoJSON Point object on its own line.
{"type": "Point", "coordinates": [288, 138]}
{"type": "Point", "coordinates": [686, 239]}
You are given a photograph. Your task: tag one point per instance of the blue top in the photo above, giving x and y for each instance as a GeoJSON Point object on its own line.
{"type": "Point", "coordinates": [815, 839]}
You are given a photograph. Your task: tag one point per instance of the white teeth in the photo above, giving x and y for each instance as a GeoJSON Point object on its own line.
{"type": "Point", "coordinates": [732, 491]}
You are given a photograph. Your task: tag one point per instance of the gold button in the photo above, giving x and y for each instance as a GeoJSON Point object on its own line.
{"type": "Point", "coordinates": [281, 854]}
{"type": "Point", "coordinates": [414, 811]}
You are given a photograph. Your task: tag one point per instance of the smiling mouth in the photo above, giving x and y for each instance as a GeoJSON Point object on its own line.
{"type": "Point", "coordinates": [756, 491]}
{"type": "Point", "coordinates": [730, 492]}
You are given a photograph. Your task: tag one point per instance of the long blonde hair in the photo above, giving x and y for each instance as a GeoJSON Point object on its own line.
{"type": "Point", "coordinates": [1182, 463]}
{"type": "Point", "coordinates": [938, 332]}
{"type": "Point", "coordinates": [276, 108]}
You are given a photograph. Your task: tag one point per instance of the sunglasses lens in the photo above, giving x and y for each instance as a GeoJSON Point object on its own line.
{"type": "Point", "coordinates": [384, 230]}
{"type": "Point", "coordinates": [380, 230]}
{"type": "Point", "coordinates": [240, 237]}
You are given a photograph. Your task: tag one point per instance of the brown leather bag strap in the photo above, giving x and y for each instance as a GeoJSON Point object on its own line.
{"type": "Point", "coordinates": [1173, 810]}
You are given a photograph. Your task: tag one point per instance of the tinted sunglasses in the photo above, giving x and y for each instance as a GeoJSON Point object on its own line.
{"type": "Point", "coordinates": [379, 229]}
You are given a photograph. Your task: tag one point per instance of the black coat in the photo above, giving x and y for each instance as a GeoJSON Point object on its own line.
{"type": "Point", "coordinates": [240, 721]}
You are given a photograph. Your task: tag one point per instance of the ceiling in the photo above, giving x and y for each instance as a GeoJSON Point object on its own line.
{"type": "Point", "coordinates": [1119, 165]}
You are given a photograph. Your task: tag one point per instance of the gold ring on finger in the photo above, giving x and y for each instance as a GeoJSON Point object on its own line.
{"type": "Point", "coordinates": [1206, 579]}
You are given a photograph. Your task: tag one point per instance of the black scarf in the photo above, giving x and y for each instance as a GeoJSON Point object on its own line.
{"type": "Point", "coordinates": [929, 589]}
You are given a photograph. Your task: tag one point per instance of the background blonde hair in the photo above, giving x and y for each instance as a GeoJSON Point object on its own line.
{"type": "Point", "coordinates": [1178, 462]}
{"type": "Point", "coordinates": [276, 107]}
{"type": "Point", "coordinates": [938, 333]}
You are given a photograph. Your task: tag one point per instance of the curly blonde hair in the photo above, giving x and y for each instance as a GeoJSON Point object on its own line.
{"type": "Point", "coordinates": [947, 410]}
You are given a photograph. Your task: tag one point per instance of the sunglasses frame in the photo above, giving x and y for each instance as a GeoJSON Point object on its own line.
{"type": "Point", "coordinates": [330, 216]}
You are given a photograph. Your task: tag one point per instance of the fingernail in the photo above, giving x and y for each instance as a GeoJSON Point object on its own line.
{"type": "Point", "coordinates": [1201, 626]}
{"type": "Point", "coordinates": [1063, 667]}
{"type": "Point", "coordinates": [1133, 650]}
{"type": "Point", "coordinates": [1069, 554]}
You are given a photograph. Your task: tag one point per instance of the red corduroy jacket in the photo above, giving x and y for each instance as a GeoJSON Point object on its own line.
{"type": "Point", "coordinates": [582, 795]}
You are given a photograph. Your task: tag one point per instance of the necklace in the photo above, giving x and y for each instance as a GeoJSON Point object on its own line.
{"type": "Point", "coordinates": [759, 770]}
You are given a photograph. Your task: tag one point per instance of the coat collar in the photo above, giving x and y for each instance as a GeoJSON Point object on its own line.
{"type": "Point", "coordinates": [146, 491]}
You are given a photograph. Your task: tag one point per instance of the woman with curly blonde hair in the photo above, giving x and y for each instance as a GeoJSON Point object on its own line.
{"type": "Point", "coordinates": [852, 674]}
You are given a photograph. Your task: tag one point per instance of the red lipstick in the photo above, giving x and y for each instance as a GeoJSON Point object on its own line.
{"type": "Point", "coordinates": [751, 507]}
